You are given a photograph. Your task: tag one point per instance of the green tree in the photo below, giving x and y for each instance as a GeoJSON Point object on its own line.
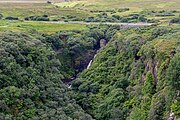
{"type": "Point", "coordinates": [148, 87]}
{"type": "Point", "coordinates": [173, 74]}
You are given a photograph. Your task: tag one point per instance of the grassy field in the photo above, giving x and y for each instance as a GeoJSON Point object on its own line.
{"type": "Point", "coordinates": [135, 4]}
{"type": "Point", "coordinates": [81, 9]}
{"type": "Point", "coordinates": [22, 10]}
{"type": "Point", "coordinates": [49, 28]}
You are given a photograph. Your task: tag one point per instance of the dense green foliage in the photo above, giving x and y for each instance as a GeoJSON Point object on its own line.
{"type": "Point", "coordinates": [136, 76]}
{"type": "Point", "coordinates": [11, 18]}
{"type": "Point", "coordinates": [104, 17]}
{"type": "Point", "coordinates": [31, 81]}
{"type": "Point", "coordinates": [76, 48]}
{"type": "Point", "coordinates": [175, 20]}
{"type": "Point", "coordinates": [86, 71]}
{"type": "Point", "coordinates": [37, 18]}
{"type": "Point", "coordinates": [33, 68]}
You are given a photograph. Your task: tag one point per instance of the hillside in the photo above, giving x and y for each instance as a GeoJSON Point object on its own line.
{"type": "Point", "coordinates": [89, 60]}
{"type": "Point", "coordinates": [31, 81]}
{"type": "Point", "coordinates": [133, 76]}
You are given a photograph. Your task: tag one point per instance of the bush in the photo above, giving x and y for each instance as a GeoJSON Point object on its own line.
{"type": "Point", "coordinates": [160, 32]}
{"type": "Point", "coordinates": [152, 21]}
{"type": "Point", "coordinates": [148, 87]}
{"type": "Point", "coordinates": [142, 19]}
{"type": "Point", "coordinates": [49, 2]}
{"type": "Point", "coordinates": [116, 16]}
{"type": "Point", "coordinates": [55, 20]}
{"type": "Point", "coordinates": [123, 9]}
{"type": "Point", "coordinates": [11, 18]}
{"type": "Point", "coordinates": [1, 16]}
{"type": "Point", "coordinates": [45, 16]}
{"type": "Point", "coordinates": [70, 16]}
{"type": "Point", "coordinates": [175, 20]}
{"type": "Point", "coordinates": [124, 20]}
{"type": "Point", "coordinates": [42, 19]}
{"type": "Point", "coordinates": [37, 18]}
{"type": "Point", "coordinates": [164, 14]}
{"type": "Point", "coordinates": [30, 18]}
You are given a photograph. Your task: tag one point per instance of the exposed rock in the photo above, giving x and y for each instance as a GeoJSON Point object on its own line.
{"type": "Point", "coordinates": [102, 43]}
{"type": "Point", "coordinates": [152, 66]}
{"type": "Point", "coordinates": [171, 116]}
{"type": "Point", "coordinates": [154, 70]}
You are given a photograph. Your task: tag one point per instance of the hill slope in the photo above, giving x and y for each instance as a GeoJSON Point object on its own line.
{"type": "Point", "coordinates": [134, 77]}
{"type": "Point", "coordinates": [31, 84]}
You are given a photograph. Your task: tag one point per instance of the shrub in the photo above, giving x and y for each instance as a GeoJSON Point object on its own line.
{"type": "Point", "coordinates": [176, 108]}
{"type": "Point", "coordinates": [141, 18]}
{"type": "Point", "coordinates": [30, 18]}
{"type": "Point", "coordinates": [160, 32]}
{"type": "Point", "coordinates": [49, 2]}
{"type": "Point", "coordinates": [148, 87]}
{"type": "Point", "coordinates": [124, 20]}
{"type": "Point", "coordinates": [37, 18]}
{"type": "Point", "coordinates": [103, 15]}
{"type": "Point", "coordinates": [11, 18]}
{"type": "Point", "coordinates": [54, 19]}
{"type": "Point", "coordinates": [164, 14]}
{"type": "Point", "coordinates": [45, 16]}
{"type": "Point", "coordinates": [152, 21]}
{"type": "Point", "coordinates": [42, 19]}
{"type": "Point", "coordinates": [116, 16]}
{"type": "Point", "coordinates": [175, 20]}
{"type": "Point", "coordinates": [70, 16]}
{"type": "Point", "coordinates": [123, 9]}
{"type": "Point", "coordinates": [1, 16]}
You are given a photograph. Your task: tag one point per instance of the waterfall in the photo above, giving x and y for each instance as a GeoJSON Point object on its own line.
{"type": "Point", "coordinates": [69, 86]}
{"type": "Point", "coordinates": [95, 56]}
{"type": "Point", "coordinates": [69, 80]}
{"type": "Point", "coordinates": [89, 65]}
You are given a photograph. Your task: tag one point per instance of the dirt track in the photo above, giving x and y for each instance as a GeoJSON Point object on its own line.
{"type": "Point", "coordinates": [122, 25]}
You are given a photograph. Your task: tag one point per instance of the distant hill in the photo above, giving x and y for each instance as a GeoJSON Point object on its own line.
{"type": "Point", "coordinates": [134, 4]}
{"type": "Point", "coordinates": [34, 1]}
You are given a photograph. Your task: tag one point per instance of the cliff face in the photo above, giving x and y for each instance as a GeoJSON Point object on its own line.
{"type": "Point", "coordinates": [132, 76]}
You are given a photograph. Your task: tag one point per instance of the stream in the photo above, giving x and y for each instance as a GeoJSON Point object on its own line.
{"type": "Point", "coordinates": [69, 80]}
{"type": "Point", "coordinates": [90, 63]}
{"type": "Point", "coordinates": [102, 44]}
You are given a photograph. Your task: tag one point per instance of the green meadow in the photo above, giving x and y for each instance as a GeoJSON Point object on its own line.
{"type": "Point", "coordinates": [18, 26]}
{"type": "Point", "coordinates": [83, 9]}
{"type": "Point", "coordinates": [80, 10]}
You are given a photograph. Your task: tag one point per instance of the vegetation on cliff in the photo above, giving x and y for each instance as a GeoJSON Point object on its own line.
{"type": "Point", "coordinates": [136, 76]}
{"type": "Point", "coordinates": [31, 84]}
{"type": "Point", "coordinates": [95, 68]}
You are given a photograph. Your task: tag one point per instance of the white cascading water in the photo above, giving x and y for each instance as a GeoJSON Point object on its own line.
{"type": "Point", "coordinates": [69, 86]}
{"type": "Point", "coordinates": [89, 65]}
